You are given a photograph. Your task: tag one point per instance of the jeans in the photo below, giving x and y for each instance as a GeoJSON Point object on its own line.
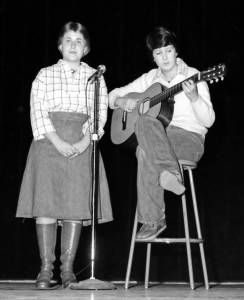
{"type": "Point", "coordinates": [159, 150]}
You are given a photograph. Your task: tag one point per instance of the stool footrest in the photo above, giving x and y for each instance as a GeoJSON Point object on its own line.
{"type": "Point", "coordinates": [170, 240]}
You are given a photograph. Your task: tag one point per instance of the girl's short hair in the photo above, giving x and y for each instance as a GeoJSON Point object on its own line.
{"type": "Point", "coordinates": [161, 37]}
{"type": "Point", "coordinates": [75, 26]}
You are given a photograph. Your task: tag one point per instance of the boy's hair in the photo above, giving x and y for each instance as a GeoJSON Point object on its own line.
{"type": "Point", "coordinates": [74, 26]}
{"type": "Point", "coordinates": [161, 37]}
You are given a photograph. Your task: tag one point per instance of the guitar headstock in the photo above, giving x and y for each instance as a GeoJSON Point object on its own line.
{"type": "Point", "coordinates": [214, 73]}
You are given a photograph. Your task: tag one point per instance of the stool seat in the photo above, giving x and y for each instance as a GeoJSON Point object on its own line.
{"type": "Point", "coordinates": [188, 167]}
{"type": "Point", "coordinates": [187, 164]}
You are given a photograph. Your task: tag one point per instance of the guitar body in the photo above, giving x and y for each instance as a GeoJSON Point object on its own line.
{"type": "Point", "coordinates": [163, 111]}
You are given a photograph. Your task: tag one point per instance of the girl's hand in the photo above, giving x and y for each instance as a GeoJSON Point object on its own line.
{"type": "Point", "coordinates": [64, 148]}
{"type": "Point", "coordinates": [190, 89]}
{"type": "Point", "coordinates": [82, 145]}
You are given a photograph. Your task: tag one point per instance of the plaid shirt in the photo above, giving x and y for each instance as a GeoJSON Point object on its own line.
{"type": "Point", "coordinates": [56, 88]}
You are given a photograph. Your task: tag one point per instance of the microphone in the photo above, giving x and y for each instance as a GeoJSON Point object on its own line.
{"type": "Point", "coordinates": [100, 70]}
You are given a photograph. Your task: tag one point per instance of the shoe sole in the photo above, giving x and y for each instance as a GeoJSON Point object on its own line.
{"type": "Point", "coordinates": [153, 236]}
{"type": "Point", "coordinates": [169, 181]}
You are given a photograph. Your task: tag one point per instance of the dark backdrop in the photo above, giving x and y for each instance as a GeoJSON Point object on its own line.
{"type": "Point", "coordinates": [209, 33]}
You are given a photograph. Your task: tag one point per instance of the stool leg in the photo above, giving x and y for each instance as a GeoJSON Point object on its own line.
{"type": "Point", "coordinates": [199, 234]}
{"type": "Point", "coordinates": [188, 245]}
{"type": "Point", "coordinates": [187, 235]}
{"type": "Point", "coordinates": [132, 246]}
{"type": "Point", "coordinates": [147, 264]}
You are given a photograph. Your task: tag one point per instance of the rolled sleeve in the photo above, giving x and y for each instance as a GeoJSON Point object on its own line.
{"type": "Point", "coordinates": [40, 121]}
{"type": "Point", "coordinates": [139, 85]}
{"type": "Point", "coordinates": [203, 107]}
{"type": "Point", "coordinates": [103, 105]}
{"type": "Point", "coordinates": [102, 111]}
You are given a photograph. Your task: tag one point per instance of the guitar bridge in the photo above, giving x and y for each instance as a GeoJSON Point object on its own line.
{"type": "Point", "coordinates": [124, 120]}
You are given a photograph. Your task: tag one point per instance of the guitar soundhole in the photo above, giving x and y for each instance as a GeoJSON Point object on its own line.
{"type": "Point", "coordinates": [144, 106]}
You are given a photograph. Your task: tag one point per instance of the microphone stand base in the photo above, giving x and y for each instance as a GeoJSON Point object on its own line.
{"type": "Point", "coordinates": [92, 284]}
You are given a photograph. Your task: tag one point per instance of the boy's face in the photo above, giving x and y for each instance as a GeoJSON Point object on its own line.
{"type": "Point", "coordinates": [73, 46]}
{"type": "Point", "coordinates": [165, 57]}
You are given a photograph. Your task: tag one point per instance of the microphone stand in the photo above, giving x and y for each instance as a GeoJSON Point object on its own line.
{"type": "Point", "coordinates": [92, 283]}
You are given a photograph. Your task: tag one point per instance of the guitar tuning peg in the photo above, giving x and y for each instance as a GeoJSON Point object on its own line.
{"type": "Point", "coordinates": [216, 79]}
{"type": "Point", "coordinates": [211, 81]}
{"type": "Point", "coordinates": [222, 78]}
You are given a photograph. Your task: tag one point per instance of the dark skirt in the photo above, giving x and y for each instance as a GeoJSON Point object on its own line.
{"type": "Point", "coordinates": [54, 186]}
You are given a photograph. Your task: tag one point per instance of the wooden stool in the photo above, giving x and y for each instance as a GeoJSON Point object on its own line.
{"type": "Point", "coordinates": [185, 166]}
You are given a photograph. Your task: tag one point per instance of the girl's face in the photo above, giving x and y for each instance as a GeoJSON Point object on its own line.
{"type": "Point", "coordinates": [73, 46]}
{"type": "Point", "coordinates": [165, 57]}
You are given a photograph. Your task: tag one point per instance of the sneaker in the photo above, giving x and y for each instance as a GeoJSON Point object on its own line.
{"type": "Point", "coordinates": [170, 182]}
{"type": "Point", "coordinates": [150, 231]}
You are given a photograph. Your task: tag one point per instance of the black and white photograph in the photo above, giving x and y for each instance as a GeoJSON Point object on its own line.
{"type": "Point", "coordinates": [121, 150]}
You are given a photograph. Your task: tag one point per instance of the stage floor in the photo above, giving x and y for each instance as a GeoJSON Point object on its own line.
{"type": "Point", "coordinates": [26, 291]}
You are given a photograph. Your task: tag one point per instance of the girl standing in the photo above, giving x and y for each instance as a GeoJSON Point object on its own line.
{"type": "Point", "coordinates": [57, 179]}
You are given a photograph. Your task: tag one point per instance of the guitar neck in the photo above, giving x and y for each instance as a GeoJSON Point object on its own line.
{"type": "Point", "coordinates": [172, 91]}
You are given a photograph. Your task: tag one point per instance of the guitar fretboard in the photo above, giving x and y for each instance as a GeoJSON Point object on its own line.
{"type": "Point", "coordinates": [172, 91]}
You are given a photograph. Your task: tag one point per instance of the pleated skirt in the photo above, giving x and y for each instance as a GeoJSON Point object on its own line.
{"type": "Point", "coordinates": [57, 187]}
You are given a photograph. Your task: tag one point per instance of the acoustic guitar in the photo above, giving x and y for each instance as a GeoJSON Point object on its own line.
{"type": "Point", "coordinates": [157, 101]}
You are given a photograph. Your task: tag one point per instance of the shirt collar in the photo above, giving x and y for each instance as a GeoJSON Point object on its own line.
{"type": "Point", "coordinates": [66, 67]}
{"type": "Point", "coordinates": [160, 77]}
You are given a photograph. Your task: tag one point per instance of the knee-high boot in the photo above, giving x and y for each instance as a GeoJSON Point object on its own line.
{"type": "Point", "coordinates": [69, 243]}
{"type": "Point", "coordinates": [46, 236]}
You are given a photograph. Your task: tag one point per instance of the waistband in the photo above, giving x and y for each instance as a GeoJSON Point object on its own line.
{"type": "Point", "coordinates": [61, 115]}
